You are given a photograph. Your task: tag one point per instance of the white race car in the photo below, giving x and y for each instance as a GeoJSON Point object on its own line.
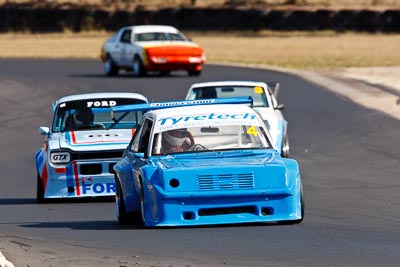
{"type": "Point", "coordinates": [264, 102]}
{"type": "Point", "coordinates": [146, 48]}
{"type": "Point", "coordinates": [82, 145]}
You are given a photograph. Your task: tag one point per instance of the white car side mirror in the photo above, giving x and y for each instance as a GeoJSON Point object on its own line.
{"type": "Point", "coordinates": [44, 130]}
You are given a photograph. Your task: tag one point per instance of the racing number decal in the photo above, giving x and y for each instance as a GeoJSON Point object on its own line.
{"type": "Point", "coordinates": [252, 131]}
{"type": "Point", "coordinates": [258, 90]}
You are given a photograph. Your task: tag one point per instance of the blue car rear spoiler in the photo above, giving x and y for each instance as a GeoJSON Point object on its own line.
{"type": "Point", "coordinates": [182, 103]}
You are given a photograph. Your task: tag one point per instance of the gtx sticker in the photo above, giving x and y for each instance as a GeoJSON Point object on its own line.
{"type": "Point", "coordinates": [60, 157]}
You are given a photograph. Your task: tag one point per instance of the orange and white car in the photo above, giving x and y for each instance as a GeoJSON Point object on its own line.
{"type": "Point", "coordinates": [146, 48]}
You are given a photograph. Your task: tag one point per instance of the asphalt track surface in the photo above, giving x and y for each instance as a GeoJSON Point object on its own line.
{"type": "Point", "coordinates": [348, 155]}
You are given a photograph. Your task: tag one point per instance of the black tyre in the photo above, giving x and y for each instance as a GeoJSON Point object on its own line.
{"type": "Point", "coordinates": [138, 67]}
{"type": "Point", "coordinates": [142, 207]}
{"type": "Point", "coordinates": [302, 206]}
{"type": "Point", "coordinates": [122, 216]}
{"type": "Point", "coordinates": [110, 69]}
{"type": "Point", "coordinates": [165, 73]}
{"type": "Point", "coordinates": [285, 146]}
{"type": "Point", "coordinates": [194, 72]}
{"type": "Point", "coordinates": [39, 190]}
{"type": "Point", "coordinates": [302, 210]}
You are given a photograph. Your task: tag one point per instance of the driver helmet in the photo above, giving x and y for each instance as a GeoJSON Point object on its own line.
{"type": "Point", "coordinates": [84, 117]}
{"type": "Point", "coordinates": [175, 137]}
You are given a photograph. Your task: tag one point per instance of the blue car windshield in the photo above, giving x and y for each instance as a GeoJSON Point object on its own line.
{"type": "Point", "coordinates": [94, 114]}
{"type": "Point", "coordinates": [224, 137]}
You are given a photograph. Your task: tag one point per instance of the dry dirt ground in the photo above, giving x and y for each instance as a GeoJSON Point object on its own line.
{"type": "Point", "coordinates": [373, 87]}
{"type": "Point", "coordinates": [243, 4]}
{"type": "Point", "coordinates": [376, 88]}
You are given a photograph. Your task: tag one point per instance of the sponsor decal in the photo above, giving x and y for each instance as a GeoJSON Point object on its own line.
{"type": "Point", "coordinates": [44, 177]}
{"type": "Point", "coordinates": [213, 119]}
{"type": "Point", "coordinates": [98, 188]}
{"type": "Point", "coordinates": [76, 178]}
{"type": "Point", "coordinates": [61, 170]}
{"type": "Point", "coordinates": [84, 186]}
{"type": "Point", "coordinates": [252, 131]}
{"type": "Point", "coordinates": [60, 157]}
{"type": "Point", "coordinates": [181, 103]}
{"type": "Point", "coordinates": [102, 139]}
{"type": "Point", "coordinates": [102, 103]}
{"type": "Point", "coordinates": [258, 90]}
{"type": "Point", "coordinates": [209, 117]}
{"type": "Point", "coordinates": [72, 178]}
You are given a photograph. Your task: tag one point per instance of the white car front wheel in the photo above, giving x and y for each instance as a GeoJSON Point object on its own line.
{"type": "Point", "coordinates": [285, 146]}
{"type": "Point", "coordinates": [138, 68]}
{"type": "Point", "coordinates": [110, 69]}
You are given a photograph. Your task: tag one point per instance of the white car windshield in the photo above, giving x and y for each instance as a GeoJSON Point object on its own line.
{"type": "Point", "coordinates": [159, 36]}
{"type": "Point", "coordinates": [94, 114]}
{"type": "Point", "coordinates": [256, 92]}
{"type": "Point", "coordinates": [224, 137]}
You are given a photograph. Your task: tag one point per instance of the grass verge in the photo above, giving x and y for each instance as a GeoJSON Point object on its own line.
{"type": "Point", "coordinates": [301, 50]}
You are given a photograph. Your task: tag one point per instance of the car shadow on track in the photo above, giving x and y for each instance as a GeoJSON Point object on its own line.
{"type": "Point", "coordinates": [114, 225]}
{"type": "Point", "coordinates": [17, 201]}
{"type": "Point", "coordinates": [84, 225]}
{"type": "Point", "coordinates": [129, 76]}
{"type": "Point", "coordinates": [24, 201]}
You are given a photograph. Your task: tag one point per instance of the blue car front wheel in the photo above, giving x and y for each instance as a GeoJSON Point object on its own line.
{"type": "Point", "coordinates": [122, 216]}
{"type": "Point", "coordinates": [302, 210]}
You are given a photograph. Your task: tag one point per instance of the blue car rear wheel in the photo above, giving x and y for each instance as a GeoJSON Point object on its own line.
{"type": "Point", "coordinates": [143, 207]}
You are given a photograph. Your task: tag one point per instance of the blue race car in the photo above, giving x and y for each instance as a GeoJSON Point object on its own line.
{"type": "Point", "coordinates": [202, 162]}
{"type": "Point", "coordinates": [83, 144]}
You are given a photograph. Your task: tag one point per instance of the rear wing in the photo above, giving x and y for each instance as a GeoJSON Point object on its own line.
{"type": "Point", "coordinates": [275, 88]}
{"type": "Point", "coordinates": [181, 103]}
